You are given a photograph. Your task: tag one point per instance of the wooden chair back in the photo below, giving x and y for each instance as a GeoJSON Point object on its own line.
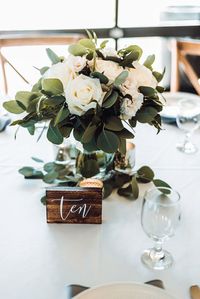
{"type": "Point", "coordinates": [37, 40]}
{"type": "Point", "coordinates": [180, 50]}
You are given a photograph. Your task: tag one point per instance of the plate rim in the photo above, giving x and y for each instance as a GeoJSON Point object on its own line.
{"type": "Point", "coordinates": [140, 284]}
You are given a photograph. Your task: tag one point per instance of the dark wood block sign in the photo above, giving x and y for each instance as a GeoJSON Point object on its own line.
{"type": "Point", "coordinates": [74, 205]}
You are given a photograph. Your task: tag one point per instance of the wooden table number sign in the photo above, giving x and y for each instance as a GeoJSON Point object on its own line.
{"type": "Point", "coordinates": [74, 205]}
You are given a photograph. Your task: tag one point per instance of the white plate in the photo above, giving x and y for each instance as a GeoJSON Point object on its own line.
{"type": "Point", "coordinates": [172, 98]}
{"type": "Point", "coordinates": [125, 290]}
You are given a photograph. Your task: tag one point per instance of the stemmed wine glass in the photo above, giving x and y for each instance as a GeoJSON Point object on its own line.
{"type": "Point", "coordinates": [188, 119]}
{"type": "Point", "coordinates": [160, 217]}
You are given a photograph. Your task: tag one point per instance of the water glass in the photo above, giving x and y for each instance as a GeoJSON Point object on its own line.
{"type": "Point", "coordinates": [188, 120]}
{"type": "Point", "coordinates": [161, 214]}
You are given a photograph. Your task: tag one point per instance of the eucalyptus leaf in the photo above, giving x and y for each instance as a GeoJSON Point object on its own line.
{"type": "Point", "coordinates": [131, 48]}
{"type": "Point", "coordinates": [48, 167]}
{"type": "Point", "coordinates": [37, 160]}
{"type": "Point", "coordinates": [54, 86]}
{"type": "Point", "coordinates": [129, 58]}
{"type": "Point", "coordinates": [30, 172]}
{"type": "Point", "coordinates": [50, 177]}
{"type": "Point", "coordinates": [89, 168]}
{"type": "Point", "coordinates": [31, 129]}
{"type": "Point", "coordinates": [52, 56]}
{"type": "Point", "coordinates": [89, 133]}
{"type": "Point", "coordinates": [43, 200]}
{"type": "Point", "coordinates": [103, 44]}
{"type": "Point", "coordinates": [87, 43]}
{"type": "Point", "coordinates": [25, 97]}
{"type": "Point", "coordinates": [126, 134]}
{"type": "Point", "coordinates": [160, 89]}
{"type": "Point", "coordinates": [121, 78]}
{"type": "Point", "coordinates": [114, 123]}
{"type": "Point", "coordinates": [13, 107]}
{"type": "Point", "coordinates": [54, 135]}
{"type": "Point", "coordinates": [77, 50]}
{"type": "Point", "coordinates": [107, 190]}
{"type": "Point", "coordinates": [62, 114]}
{"type": "Point", "coordinates": [160, 183]}
{"type": "Point", "coordinates": [146, 114]}
{"type": "Point", "coordinates": [90, 146]}
{"type": "Point", "coordinates": [108, 141]}
{"type": "Point", "coordinates": [147, 91]}
{"type": "Point", "coordinates": [122, 146]}
{"type": "Point", "coordinates": [145, 174]}
{"type": "Point", "coordinates": [159, 76]}
{"type": "Point", "coordinates": [110, 101]}
{"type": "Point", "coordinates": [149, 61]}
{"type": "Point", "coordinates": [135, 188]}
{"type": "Point", "coordinates": [43, 70]}
{"type": "Point", "coordinates": [103, 79]}
{"type": "Point", "coordinates": [126, 192]}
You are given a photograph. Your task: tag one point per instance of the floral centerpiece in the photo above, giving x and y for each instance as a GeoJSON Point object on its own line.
{"type": "Point", "coordinates": [97, 94]}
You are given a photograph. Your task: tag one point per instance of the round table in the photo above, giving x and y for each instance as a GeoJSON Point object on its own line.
{"type": "Point", "coordinates": [38, 260]}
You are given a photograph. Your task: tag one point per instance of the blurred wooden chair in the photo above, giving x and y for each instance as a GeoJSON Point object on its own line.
{"type": "Point", "coordinates": [31, 41]}
{"type": "Point", "coordinates": [180, 50]}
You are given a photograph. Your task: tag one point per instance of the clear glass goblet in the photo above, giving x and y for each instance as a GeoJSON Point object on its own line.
{"type": "Point", "coordinates": [161, 214]}
{"type": "Point", "coordinates": [188, 120]}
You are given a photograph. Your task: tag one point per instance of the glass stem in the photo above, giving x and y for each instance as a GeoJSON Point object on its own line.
{"type": "Point", "coordinates": [187, 137]}
{"type": "Point", "coordinates": [158, 252]}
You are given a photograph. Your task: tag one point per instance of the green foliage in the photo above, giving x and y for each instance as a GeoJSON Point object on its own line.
{"type": "Point", "coordinates": [53, 134]}
{"type": "Point", "coordinates": [77, 50]}
{"type": "Point", "coordinates": [103, 79]}
{"type": "Point", "coordinates": [110, 100]}
{"type": "Point", "coordinates": [52, 56]}
{"type": "Point", "coordinates": [146, 114]}
{"type": "Point", "coordinates": [107, 141]}
{"type": "Point", "coordinates": [113, 123]}
{"type": "Point", "coordinates": [149, 61]}
{"type": "Point", "coordinates": [62, 114]}
{"type": "Point", "coordinates": [89, 133]}
{"type": "Point", "coordinates": [120, 79]}
{"type": "Point", "coordinates": [145, 174]}
{"type": "Point", "coordinates": [13, 107]}
{"type": "Point", "coordinates": [52, 86]}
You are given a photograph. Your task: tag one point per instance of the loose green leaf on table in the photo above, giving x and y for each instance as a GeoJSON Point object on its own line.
{"type": "Point", "coordinates": [135, 188]}
{"type": "Point", "coordinates": [30, 172]}
{"type": "Point", "coordinates": [159, 183]}
{"type": "Point", "coordinates": [145, 174]}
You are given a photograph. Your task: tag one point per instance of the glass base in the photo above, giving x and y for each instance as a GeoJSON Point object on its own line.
{"type": "Point", "coordinates": [157, 260]}
{"type": "Point", "coordinates": [187, 148]}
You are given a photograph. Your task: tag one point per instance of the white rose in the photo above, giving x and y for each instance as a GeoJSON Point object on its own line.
{"type": "Point", "coordinates": [110, 69]}
{"type": "Point", "coordinates": [109, 52]}
{"type": "Point", "coordinates": [130, 107]}
{"type": "Point", "coordinates": [60, 71]}
{"type": "Point", "coordinates": [139, 76]}
{"type": "Point", "coordinates": [143, 76]}
{"type": "Point", "coordinates": [81, 94]}
{"type": "Point", "coordinates": [76, 63]}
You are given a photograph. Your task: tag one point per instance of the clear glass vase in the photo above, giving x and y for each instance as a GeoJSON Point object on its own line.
{"type": "Point", "coordinates": [93, 164]}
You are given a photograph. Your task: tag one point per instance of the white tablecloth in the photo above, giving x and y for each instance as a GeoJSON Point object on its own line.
{"type": "Point", "coordinates": [38, 260]}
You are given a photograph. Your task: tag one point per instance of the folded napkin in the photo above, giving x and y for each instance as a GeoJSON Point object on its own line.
{"type": "Point", "coordinates": [4, 121]}
{"type": "Point", "coordinates": [75, 289]}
